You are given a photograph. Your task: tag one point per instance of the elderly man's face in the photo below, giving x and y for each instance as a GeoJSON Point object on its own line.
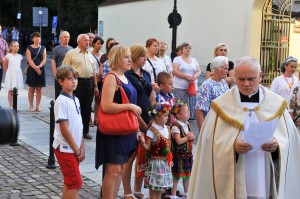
{"type": "Point", "coordinates": [247, 78]}
{"type": "Point", "coordinates": [83, 43]}
{"type": "Point", "coordinates": [65, 38]}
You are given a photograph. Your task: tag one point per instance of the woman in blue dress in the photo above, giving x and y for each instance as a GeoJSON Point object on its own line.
{"type": "Point", "coordinates": [113, 151]}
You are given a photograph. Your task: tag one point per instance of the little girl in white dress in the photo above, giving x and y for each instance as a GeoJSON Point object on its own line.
{"type": "Point", "coordinates": [13, 72]}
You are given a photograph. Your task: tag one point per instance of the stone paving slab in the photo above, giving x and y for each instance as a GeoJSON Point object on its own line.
{"type": "Point", "coordinates": [24, 175]}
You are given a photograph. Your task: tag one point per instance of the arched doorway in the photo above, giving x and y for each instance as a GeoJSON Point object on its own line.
{"type": "Point", "coordinates": [275, 32]}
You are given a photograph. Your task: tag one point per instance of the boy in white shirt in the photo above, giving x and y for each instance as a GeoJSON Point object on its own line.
{"type": "Point", "coordinates": [68, 143]}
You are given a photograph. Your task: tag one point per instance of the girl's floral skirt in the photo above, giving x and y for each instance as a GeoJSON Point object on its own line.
{"type": "Point", "coordinates": [158, 175]}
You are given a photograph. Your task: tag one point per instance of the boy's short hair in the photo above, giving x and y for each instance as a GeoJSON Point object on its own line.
{"type": "Point", "coordinates": [162, 77]}
{"type": "Point", "coordinates": [63, 71]}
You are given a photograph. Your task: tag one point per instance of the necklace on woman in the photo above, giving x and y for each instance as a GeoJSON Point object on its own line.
{"type": "Point", "coordinates": [290, 85]}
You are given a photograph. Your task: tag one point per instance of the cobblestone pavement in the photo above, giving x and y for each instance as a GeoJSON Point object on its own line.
{"type": "Point", "coordinates": [24, 175]}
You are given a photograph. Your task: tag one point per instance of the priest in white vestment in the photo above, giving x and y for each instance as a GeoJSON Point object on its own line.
{"type": "Point", "coordinates": [225, 166]}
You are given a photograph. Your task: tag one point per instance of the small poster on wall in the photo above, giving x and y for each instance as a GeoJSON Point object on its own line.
{"type": "Point", "coordinates": [100, 28]}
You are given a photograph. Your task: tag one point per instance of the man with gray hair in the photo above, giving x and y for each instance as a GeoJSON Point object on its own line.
{"type": "Point", "coordinates": [91, 38]}
{"type": "Point", "coordinates": [84, 63]}
{"type": "Point", "coordinates": [58, 55]}
{"type": "Point", "coordinates": [225, 165]}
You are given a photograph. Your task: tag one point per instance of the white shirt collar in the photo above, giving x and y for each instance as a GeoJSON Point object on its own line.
{"type": "Point", "coordinates": [158, 127]}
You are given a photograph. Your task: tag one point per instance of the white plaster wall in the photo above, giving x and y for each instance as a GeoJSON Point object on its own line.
{"type": "Point", "coordinates": [294, 42]}
{"type": "Point", "coordinates": [205, 23]}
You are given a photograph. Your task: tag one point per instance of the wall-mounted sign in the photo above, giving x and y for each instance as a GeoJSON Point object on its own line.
{"type": "Point", "coordinates": [100, 28]}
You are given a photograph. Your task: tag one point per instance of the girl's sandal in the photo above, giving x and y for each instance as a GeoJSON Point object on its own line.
{"type": "Point", "coordinates": [129, 196]}
{"type": "Point", "coordinates": [140, 195]}
{"type": "Point", "coordinates": [38, 109]}
{"type": "Point", "coordinates": [31, 109]}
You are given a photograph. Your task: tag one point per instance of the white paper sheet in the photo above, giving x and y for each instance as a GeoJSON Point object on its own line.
{"type": "Point", "coordinates": [259, 133]}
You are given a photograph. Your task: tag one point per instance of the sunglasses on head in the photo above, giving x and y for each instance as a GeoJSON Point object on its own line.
{"type": "Point", "coordinates": [143, 81]}
{"type": "Point", "coordinates": [291, 59]}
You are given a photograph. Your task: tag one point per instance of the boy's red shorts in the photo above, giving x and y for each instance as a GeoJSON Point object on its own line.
{"type": "Point", "coordinates": [69, 166]}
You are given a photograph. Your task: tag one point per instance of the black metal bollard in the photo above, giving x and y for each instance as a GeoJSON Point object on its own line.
{"type": "Point", "coordinates": [15, 108]}
{"type": "Point", "coordinates": [15, 99]}
{"type": "Point", "coordinates": [51, 159]}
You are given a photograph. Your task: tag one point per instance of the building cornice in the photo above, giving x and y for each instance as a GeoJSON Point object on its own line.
{"type": "Point", "coordinates": [114, 2]}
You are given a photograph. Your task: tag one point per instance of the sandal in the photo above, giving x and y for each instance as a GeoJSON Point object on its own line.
{"type": "Point", "coordinates": [140, 195]}
{"type": "Point", "coordinates": [129, 196]}
{"type": "Point", "coordinates": [184, 195]}
{"type": "Point", "coordinates": [31, 109]}
{"type": "Point", "coordinates": [38, 109]}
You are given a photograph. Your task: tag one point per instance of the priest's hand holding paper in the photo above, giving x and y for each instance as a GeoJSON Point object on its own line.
{"type": "Point", "coordinates": [242, 147]}
{"type": "Point", "coordinates": [270, 146]}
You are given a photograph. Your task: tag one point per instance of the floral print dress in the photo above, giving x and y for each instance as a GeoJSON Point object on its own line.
{"type": "Point", "coordinates": [209, 91]}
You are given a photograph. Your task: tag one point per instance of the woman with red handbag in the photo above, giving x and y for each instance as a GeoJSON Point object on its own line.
{"type": "Point", "coordinates": [186, 71]}
{"type": "Point", "coordinates": [113, 150]}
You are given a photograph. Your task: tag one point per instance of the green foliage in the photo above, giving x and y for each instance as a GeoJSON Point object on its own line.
{"type": "Point", "coordinates": [75, 16]}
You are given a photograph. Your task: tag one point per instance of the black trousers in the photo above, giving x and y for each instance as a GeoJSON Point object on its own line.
{"type": "Point", "coordinates": [57, 89]}
{"type": "Point", "coordinates": [84, 92]}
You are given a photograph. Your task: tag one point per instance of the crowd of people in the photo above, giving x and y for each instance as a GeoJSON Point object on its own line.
{"type": "Point", "coordinates": [164, 96]}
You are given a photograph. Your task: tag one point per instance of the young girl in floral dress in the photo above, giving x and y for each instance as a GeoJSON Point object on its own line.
{"type": "Point", "coordinates": [158, 176]}
{"type": "Point", "coordinates": [182, 144]}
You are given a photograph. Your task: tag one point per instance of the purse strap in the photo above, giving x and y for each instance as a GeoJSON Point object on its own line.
{"type": "Point", "coordinates": [37, 53]}
{"type": "Point", "coordinates": [96, 59]}
{"type": "Point", "coordinates": [154, 73]}
{"type": "Point", "coordinates": [125, 99]}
